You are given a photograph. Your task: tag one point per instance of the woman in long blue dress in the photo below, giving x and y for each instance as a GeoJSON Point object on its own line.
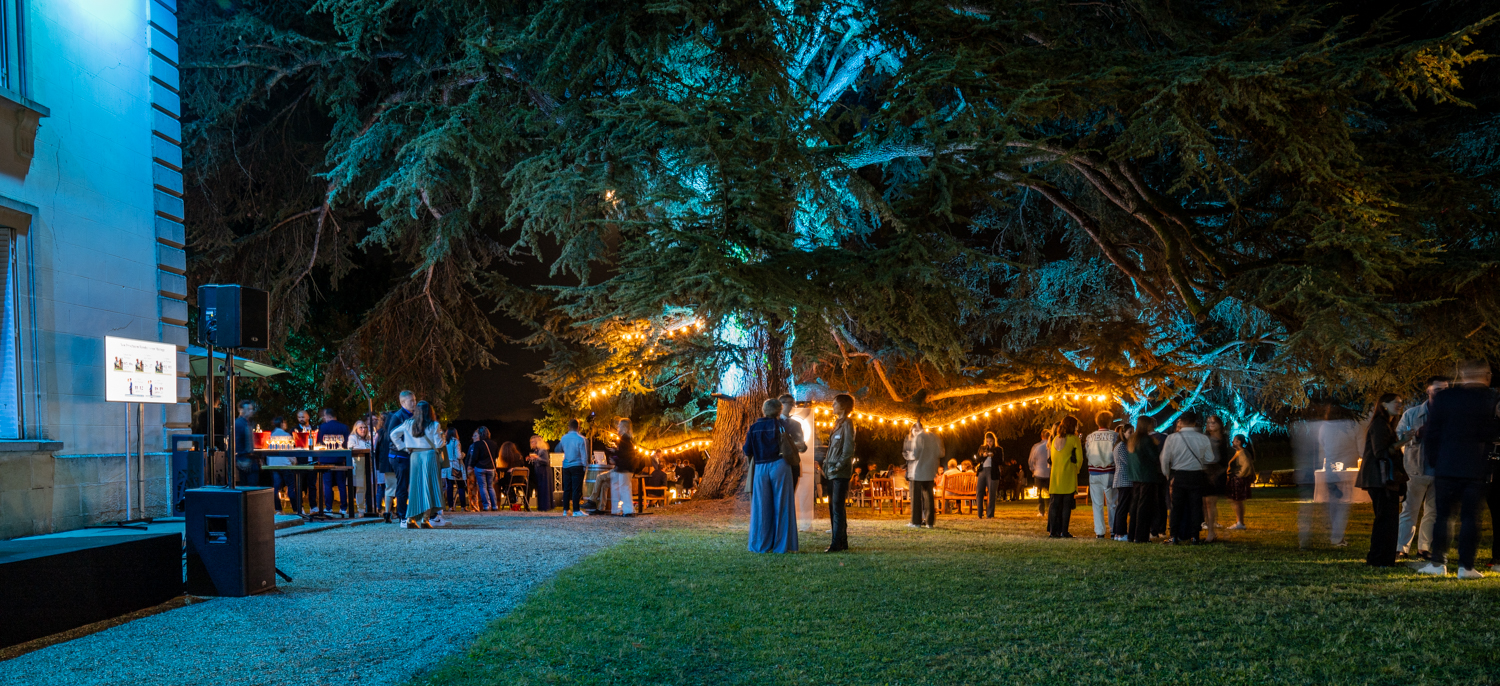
{"type": "Point", "coordinates": [773, 507]}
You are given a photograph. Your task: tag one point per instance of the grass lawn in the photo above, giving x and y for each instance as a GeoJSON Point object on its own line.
{"type": "Point", "coordinates": [991, 601]}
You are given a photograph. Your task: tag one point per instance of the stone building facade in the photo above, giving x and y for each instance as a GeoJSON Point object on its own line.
{"type": "Point", "coordinates": [91, 225]}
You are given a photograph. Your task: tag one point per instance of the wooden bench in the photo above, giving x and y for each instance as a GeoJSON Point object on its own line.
{"type": "Point", "coordinates": [960, 488]}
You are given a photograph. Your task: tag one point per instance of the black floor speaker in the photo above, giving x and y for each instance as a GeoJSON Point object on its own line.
{"type": "Point", "coordinates": [231, 541]}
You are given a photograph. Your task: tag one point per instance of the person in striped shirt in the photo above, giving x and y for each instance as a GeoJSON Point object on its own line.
{"type": "Point", "coordinates": [1119, 512]}
{"type": "Point", "coordinates": [1099, 448]}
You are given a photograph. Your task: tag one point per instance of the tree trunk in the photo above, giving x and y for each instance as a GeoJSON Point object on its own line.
{"type": "Point", "coordinates": [724, 474]}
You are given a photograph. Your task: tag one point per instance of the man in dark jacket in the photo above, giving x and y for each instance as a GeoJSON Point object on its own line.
{"type": "Point", "coordinates": [1461, 425]}
{"type": "Point", "coordinates": [393, 460]}
{"type": "Point", "coordinates": [331, 426]}
{"type": "Point", "coordinates": [989, 464]}
{"type": "Point", "coordinates": [837, 467]}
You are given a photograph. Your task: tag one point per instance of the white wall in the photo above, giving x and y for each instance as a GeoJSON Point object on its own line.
{"type": "Point", "coordinates": [94, 239]}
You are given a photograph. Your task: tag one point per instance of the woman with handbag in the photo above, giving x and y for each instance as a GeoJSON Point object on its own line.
{"type": "Point", "coordinates": [454, 479]}
{"type": "Point", "coordinates": [481, 461]}
{"type": "Point", "coordinates": [1067, 457]}
{"type": "Point", "coordinates": [422, 437]}
{"type": "Point", "coordinates": [1381, 475]}
{"type": "Point", "coordinates": [773, 505]}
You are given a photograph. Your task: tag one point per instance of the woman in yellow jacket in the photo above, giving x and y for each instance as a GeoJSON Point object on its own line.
{"type": "Point", "coordinates": [1067, 457]}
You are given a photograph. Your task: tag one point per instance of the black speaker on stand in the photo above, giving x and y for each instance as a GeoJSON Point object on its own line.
{"type": "Point", "coordinates": [233, 316]}
{"type": "Point", "coordinates": [231, 541]}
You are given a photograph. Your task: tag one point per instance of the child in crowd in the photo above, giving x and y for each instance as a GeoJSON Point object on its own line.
{"type": "Point", "coordinates": [1241, 475]}
{"type": "Point", "coordinates": [453, 474]}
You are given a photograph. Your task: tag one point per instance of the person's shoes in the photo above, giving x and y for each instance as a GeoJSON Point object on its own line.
{"type": "Point", "coordinates": [927, 526]}
{"type": "Point", "coordinates": [425, 524]}
{"type": "Point", "coordinates": [835, 549]}
{"type": "Point", "coordinates": [1067, 535]}
{"type": "Point", "coordinates": [1053, 536]}
{"type": "Point", "coordinates": [387, 517]}
{"type": "Point", "coordinates": [913, 526]}
{"type": "Point", "coordinates": [1238, 527]}
{"type": "Point", "coordinates": [409, 524]}
{"type": "Point", "coordinates": [1431, 569]}
{"type": "Point", "coordinates": [1122, 538]}
{"type": "Point", "coordinates": [1098, 535]}
{"type": "Point", "coordinates": [1424, 554]}
{"type": "Point", "coordinates": [1341, 544]}
{"type": "Point", "coordinates": [439, 521]}
{"type": "Point", "coordinates": [1469, 573]}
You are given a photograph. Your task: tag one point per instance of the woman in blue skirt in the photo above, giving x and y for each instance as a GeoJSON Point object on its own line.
{"type": "Point", "coordinates": [773, 509]}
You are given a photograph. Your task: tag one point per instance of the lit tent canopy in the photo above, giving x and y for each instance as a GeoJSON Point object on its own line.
{"type": "Point", "coordinates": [249, 369]}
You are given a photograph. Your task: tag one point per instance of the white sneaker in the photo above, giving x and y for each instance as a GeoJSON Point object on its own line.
{"type": "Point", "coordinates": [404, 524]}
{"type": "Point", "coordinates": [1470, 573]}
{"type": "Point", "coordinates": [1238, 527]}
{"type": "Point", "coordinates": [439, 521]}
{"type": "Point", "coordinates": [913, 526]}
{"type": "Point", "coordinates": [1433, 569]}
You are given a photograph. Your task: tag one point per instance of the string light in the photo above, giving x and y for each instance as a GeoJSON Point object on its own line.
{"type": "Point", "coordinates": [959, 422]}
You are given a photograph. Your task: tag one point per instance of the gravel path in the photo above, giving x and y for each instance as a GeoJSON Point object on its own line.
{"type": "Point", "coordinates": [372, 604]}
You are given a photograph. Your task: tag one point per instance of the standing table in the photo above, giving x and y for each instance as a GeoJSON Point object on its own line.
{"type": "Point", "coordinates": [306, 463]}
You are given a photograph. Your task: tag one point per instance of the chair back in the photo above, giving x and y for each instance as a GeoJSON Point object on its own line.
{"type": "Point", "coordinates": [881, 488]}
{"type": "Point", "coordinates": [961, 484]}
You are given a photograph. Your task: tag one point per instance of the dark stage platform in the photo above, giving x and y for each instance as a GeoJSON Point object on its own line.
{"type": "Point", "coordinates": [54, 584]}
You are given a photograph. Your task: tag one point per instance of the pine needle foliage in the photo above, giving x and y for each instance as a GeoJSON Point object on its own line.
{"type": "Point", "coordinates": [923, 202]}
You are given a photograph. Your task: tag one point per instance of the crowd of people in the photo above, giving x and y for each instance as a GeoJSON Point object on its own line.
{"type": "Point", "coordinates": [1417, 466]}
{"type": "Point", "coordinates": [422, 471]}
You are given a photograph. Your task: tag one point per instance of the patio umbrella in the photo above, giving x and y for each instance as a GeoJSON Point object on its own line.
{"type": "Point", "coordinates": [249, 369]}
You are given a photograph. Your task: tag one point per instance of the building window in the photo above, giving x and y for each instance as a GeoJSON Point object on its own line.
{"type": "Point", "coordinates": [10, 341]}
{"type": "Point", "coordinates": [12, 46]}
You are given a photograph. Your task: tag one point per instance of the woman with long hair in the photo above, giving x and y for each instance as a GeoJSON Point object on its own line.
{"type": "Point", "coordinates": [1215, 469]}
{"type": "Point", "coordinates": [511, 459]}
{"type": "Point", "coordinates": [1241, 475]}
{"type": "Point", "coordinates": [422, 437]}
{"type": "Point", "coordinates": [539, 460]}
{"type": "Point", "coordinates": [1143, 464]}
{"type": "Point", "coordinates": [621, 477]}
{"type": "Point", "coordinates": [359, 439]}
{"type": "Point", "coordinates": [1119, 514]}
{"type": "Point", "coordinates": [987, 482]}
{"type": "Point", "coordinates": [454, 479]}
{"type": "Point", "coordinates": [1067, 458]}
{"type": "Point", "coordinates": [481, 461]}
{"type": "Point", "coordinates": [1040, 462]}
{"type": "Point", "coordinates": [1381, 475]}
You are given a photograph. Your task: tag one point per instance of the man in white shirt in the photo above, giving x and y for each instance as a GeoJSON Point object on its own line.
{"type": "Point", "coordinates": [1338, 451]}
{"type": "Point", "coordinates": [1421, 497]}
{"type": "Point", "coordinates": [1099, 448]}
{"type": "Point", "coordinates": [575, 450]}
{"type": "Point", "coordinates": [1183, 457]}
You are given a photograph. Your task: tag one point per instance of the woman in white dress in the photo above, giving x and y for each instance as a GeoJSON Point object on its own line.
{"type": "Point", "coordinates": [422, 437]}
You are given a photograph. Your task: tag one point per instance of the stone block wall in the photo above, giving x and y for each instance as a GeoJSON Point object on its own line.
{"type": "Point", "coordinates": [41, 493]}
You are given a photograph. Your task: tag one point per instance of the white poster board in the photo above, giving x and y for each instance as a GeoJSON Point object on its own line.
{"type": "Point", "coordinates": [139, 371]}
{"type": "Point", "coordinates": [804, 495]}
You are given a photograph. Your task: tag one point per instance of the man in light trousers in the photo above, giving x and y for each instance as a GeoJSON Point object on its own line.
{"type": "Point", "coordinates": [1099, 448]}
{"type": "Point", "coordinates": [1421, 497]}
